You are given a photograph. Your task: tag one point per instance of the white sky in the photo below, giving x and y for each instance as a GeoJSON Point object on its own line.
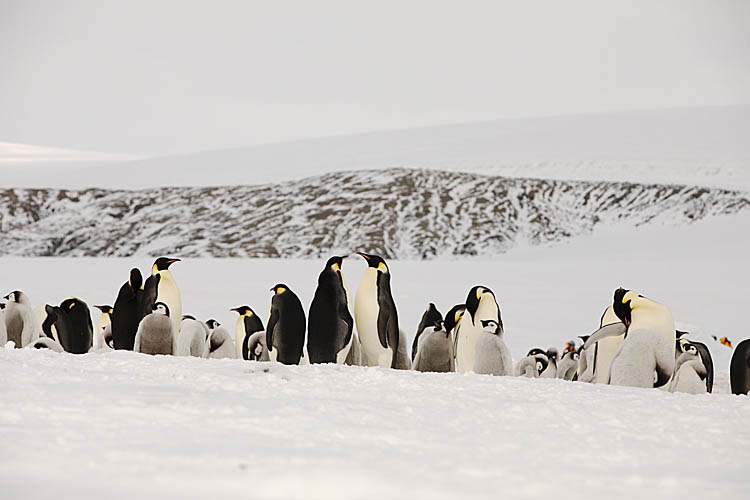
{"type": "Point", "coordinates": [150, 77]}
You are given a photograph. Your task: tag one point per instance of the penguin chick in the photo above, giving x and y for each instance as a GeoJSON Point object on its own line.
{"type": "Point", "coordinates": [255, 346]}
{"type": "Point", "coordinates": [492, 356]}
{"type": "Point", "coordinates": [567, 368]}
{"type": "Point", "coordinates": [586, 361]}
{"type": "Point", "coordinates": [155, 333]}
{"type": "Point", "coordinates": [220, 344]}
{"type": "Point", "coordinates": [192, 339]}
{"type": "Point", "coordinates": [532, 366]}
{"type": "Point", "coordinates": [690, 374]}
{"type": "Point", "coordinates": [430, 317]}
{"type": "Point", "coordinates": [434, 350]}
{"type": "Point", "coordinates": [285, 331]}
{"type": "Point", "coordinates": [20, 321]}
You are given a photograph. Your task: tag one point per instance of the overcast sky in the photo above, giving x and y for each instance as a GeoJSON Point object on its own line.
{"type": "Point", "coordinates": [159, 77]}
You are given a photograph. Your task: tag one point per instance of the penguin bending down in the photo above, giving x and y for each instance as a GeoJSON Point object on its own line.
{"type": "Point", "coordinates": [605, 349]}
{"type": "Point", "coordinates": [646, 356]}
{"type": "Point", "coordinates": [480, 306]}
{"type": "Point", "coordinates": [247, 324]}
{"type": "Point", "coordinates": [155, 333]}
{"type": "Point", "coordinates": [220, 344]}
{"type": "Point", "coordinates": [192, 339]}
{"type": "Point", "coordinates": [105, 323]}
{"type": "Point", "coordinates": [532, 366]}
{"type": "Point", "coordinates": [20, 322]}
{"type": "Point", "coordinates": [492, 356]}
{"type": "Point", "coordinates": [689, 373]}
{"type": "Point", "coordinates": [383, 342]}
{"type": "Point", "coordinates": [429, 319]}
{"type": "Point", "coordinates": [739, 368]}
{"type": "Point", "coordinates": [586, 361]}
{"type": "Point", "coordinates": [330, 326]}
{"type": "Point", "coordinates": [162, 287]}
{"type": "Point", "coordinates": [72, 322]}
{"type": "Point", "coordinates": [434, 350]}
{"type": "Point", "coordinates": [567, 368]}
{"type": "Point", "coordinates": [128, 312]}
{"type": "Point", "coordinates": [285, 331]}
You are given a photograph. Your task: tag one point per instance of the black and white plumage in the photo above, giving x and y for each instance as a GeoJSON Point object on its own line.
{"type": "Point", "coordinates": [704, 354]}
{"type": "Point", "coordinates": [383, 342]}
{"type": "Point", "coordinates": [247, 324]}
{"type": "Point", "coordinates": [255, 347]}
{"type": "Point", "coordinates": [434, 350]}
{"type": "Point", "coordinates": [330, 326]}
{"type": "Point", "coordinates": [219, 343]}
{"type": "Point", "coordinates": [537, 363]}
{"type": "Point", "coordinates": [104, 328]}
{"type": "Point", "coordinates": [567, 368]}
{"type": "Point", "coordinates": [156, 333]}
{"type": "Point", "coordinates": [492, 356]}
{"type": "Point", "coordinates": [481, 306]}
{"type": "Point", "coordinates": [3, 330]}
{"type": "Point", "coordinates": [430, 317]}
{"type": "Point", "coordinates": [739, 368]}
{"type": "Point", "coordinates": [162, 287]}
{"type": "Point", "coordinates": [20, 322]}
{"type": "Point", "coordinates": [285, 331]}
{"type": "Point", "coordinates": [690, 373]}
{"type": "Point", "coordinates": [128, 311]}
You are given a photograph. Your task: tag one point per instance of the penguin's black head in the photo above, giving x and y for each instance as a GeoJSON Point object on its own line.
{"type": "Point", "coordinates": [161, 308]}
{"type": "Point", "coordinates": [242, 310]}
{"type": "Point", "coordinates": [187, 316]}
{"type": "Point", "coordinates": [163, 263]}
{"type": "Point", "coordinates": [51, 313]}
{"type": "Point", "coordinates": [212, 324]}
{"type": "Point", "coordinates": [680, 333]}
{"type": "Point", "coordinates": [135, 280]}
{"type": "Point", "coordinates": [335, 262]}
{"type": "Point", "coordinates": [473, 299]}
{"type": "Point", "coordinates": [68, 305]}
{"type": "Point", "coordinates": [491, 325]}
{"type": "Point", "coordinates": [2, 305]}
{"type": "Point", "coordinates": [279, 288]}
{"type": "Point", "coordinates": [13, 296]}
{"type": "Point", "coordinates": [552, 354]}
{"type": "Point", "coordinates": [621, 306]}
{"type": "Point", "coordinates": [536, 351]}
{"type": "Point", "coordinates": [105, 309]}
{"type": "Point", "coordinates": [375, 261]}
{"type": "Point", "coordinates": [454, 316]}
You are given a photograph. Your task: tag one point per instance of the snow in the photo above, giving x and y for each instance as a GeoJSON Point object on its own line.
{"type": "Point", "coordinates": [14, 153]}
{"type": "Point", "coordinates": [697, 146]}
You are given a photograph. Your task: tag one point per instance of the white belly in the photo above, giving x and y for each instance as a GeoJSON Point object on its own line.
{"type": "Point", "coordinates": [466, 342]}
{"type": "Point", "coordinates": [366, 318]}
{"type": "Point", "coordinates": [170, 295]}
{"type": "Point", "coordinates": [239, 335]}
{"type": "Point", "coordinates": [605, 351]}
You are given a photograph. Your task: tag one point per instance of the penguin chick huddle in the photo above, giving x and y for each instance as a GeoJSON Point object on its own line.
{"type": "Point", "coordinates": [636, 344]}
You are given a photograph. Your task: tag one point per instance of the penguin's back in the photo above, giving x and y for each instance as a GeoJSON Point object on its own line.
{"type": "Point", "coordinates": [156, 335]}
{"type": "Point", "coordinates": [492, 356]}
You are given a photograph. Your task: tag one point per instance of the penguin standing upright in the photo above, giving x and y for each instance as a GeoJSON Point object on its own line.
{"type": "Point", "coordinates": [330, 326]}
{"type": "Point", "coordinates": [219, 342]}
{"type": "Point", "coordinates": [704, 355]}
{"type": "Point", "coordinates": [20, 322]}
{"type": "Point", "coordinates": [104, 328]}
{"type": "Point", "coordinates": [430, 317]}
{"type": "Point", "coordinates": [434, 350]}
{"type": "Point", "coordinates": [605, 349]}
{"type": "Point", "coordinates": [285, 331]}
{"type": "Point", "coordinates": [646, 356]}
{"type": "Point", "coordinates": [452, 322]}
{"type": "Point", "coordinates": [492, 356]}
{"type": "Point", "coordinates": [739, 368]}
{"type": "Point", "coordinates": [383, 343]}
{"type": "Point", "coordinates": [162, 287]}
{"type": "Point", "coordinates": [127, 312]}
{"type": "Point", "coordinates": [567, 368]}
{"type": "Point", "coordinates": [480, 306]}
{"type": "Point", "coordinates": [689, 372]}
{"type": "Point", "coordinates": [156, 333]}
{"type": "Point", "coordinates": [247, 324]}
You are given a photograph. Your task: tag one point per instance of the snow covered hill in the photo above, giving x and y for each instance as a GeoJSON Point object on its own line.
{"type": "Point", "coordinates": [399, 213]}
{"type": "Point", "coordinates": [705, 146]}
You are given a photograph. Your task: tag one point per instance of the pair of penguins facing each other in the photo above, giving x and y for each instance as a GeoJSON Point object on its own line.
{"type": "Point", "coordinates": [66, 327]}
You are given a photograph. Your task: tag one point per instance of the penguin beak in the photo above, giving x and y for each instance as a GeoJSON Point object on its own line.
{"type": "Point", "coordinates": [172, 261]}
{"type": "Point", "coordinates": [235, 309]}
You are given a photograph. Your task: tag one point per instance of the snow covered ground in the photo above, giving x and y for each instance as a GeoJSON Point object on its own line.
{"type": "Point", "coordinates": [123, 424]}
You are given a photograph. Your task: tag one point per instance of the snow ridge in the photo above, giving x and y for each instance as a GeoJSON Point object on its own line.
{"type": "Point", "coordinates": [398, 213]}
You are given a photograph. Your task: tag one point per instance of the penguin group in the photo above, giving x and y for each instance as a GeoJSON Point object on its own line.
{"type": "Point", "coordinates": [636, 343]}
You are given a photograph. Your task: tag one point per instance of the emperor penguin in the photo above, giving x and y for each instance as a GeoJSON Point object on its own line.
{"type": "Point", "coordinates": [492, 356]}
{"type": "Point", "coordinates": [80, 335]}
{"type": "Point", "coordinates": [430, 317]}
{"type": "Point", "coordinates": [704, 354]}
{"type": "Point", "coordinates": [532, 366]}
{"type": "Point", "coordinates": [434, 350]}
{"type": "Point", "coordinates": [605, 349]}
{"type": "Point", "coordinates": [689, 372]}
{"type": "Point", "coordinates": [285, 331]}
{"type": "Point", "coordinates": [383, 342]}
{"type": "Point", "coordinates": [453, 322]}
{"type": "Point", "coordinates": [567, 368]}
{"type": "Point", "coordinates": [646, 356]}
{"type": "Point", "coordinates": [163, 287]}
{"type": "Point", "coordinates": [193, 338]}
{"type": "Point", "coordinates": [330, 326]}
{"type": "Point", "coordinates": [20, 322]}
{"type": "Point", "coordinates": [104, 328]}
{"type": "Point", "coordinates": [247, 324]}
{"type": "Point", "coordinates": [739, 368]}
{"type": "Point", "coordinates": [127, 311]}
{"type": "Point", "coordinates": [156, 333]}
{"type": "Point", "coordinates": [585, 361]}
{"type": "Point", "coordinates": [219, 343]}
{"type": "Point", "coordinates": [255, 346]}
{"type": "Point", "coordinates": [480, 306]}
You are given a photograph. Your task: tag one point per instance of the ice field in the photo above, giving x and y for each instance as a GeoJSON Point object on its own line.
{"type": "Point", "coordinates": [121, 424]}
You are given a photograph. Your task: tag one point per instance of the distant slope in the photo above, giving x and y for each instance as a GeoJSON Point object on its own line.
{"type": "Point", "coordinates": [16, 154]}
{"type": "Point", "coordinates": [697, 146]}
{"type": "Point", "coordinates": [399, 213]}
